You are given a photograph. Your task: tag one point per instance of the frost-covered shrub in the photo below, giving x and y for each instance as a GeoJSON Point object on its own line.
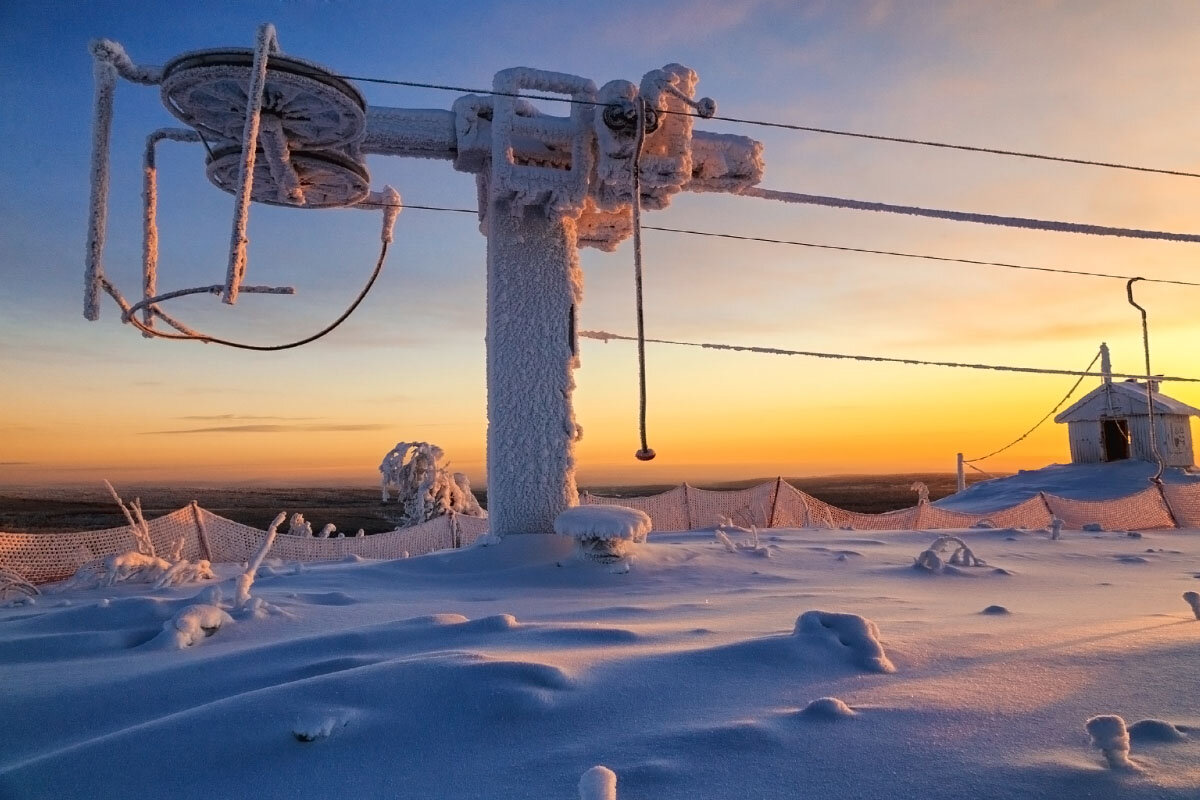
{"type": "Point", "coordinates": [424, 486]}
{"type": "Point", "coordinates": [1193, 600]}
{"type": "Point", "coordinates": [298, 527]}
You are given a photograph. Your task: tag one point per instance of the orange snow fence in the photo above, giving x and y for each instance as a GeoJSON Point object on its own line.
{"type": "Point", "coordinates": [43, 557]}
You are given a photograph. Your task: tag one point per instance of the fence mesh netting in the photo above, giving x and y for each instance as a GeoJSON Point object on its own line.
{"type": "Point", "coordinates": [43, 557]}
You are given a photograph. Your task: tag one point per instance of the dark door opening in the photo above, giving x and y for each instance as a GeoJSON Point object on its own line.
{"type": "Point", "coordinates": [1114, 438]}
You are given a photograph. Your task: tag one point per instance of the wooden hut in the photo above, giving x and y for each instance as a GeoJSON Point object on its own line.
{"type": "Point", "coordinates": [1112, 423]}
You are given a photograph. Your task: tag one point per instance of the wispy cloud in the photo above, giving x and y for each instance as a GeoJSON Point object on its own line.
{"type": "Point", "coordinates": [321, 427]}
{"type": "Point", "coordinates": [15, 463]}
{"type": "Point", "coordinates": [219, 417]}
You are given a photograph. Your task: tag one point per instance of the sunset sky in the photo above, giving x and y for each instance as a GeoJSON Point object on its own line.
{"type": "Point", "coordinates": [1110, 81]}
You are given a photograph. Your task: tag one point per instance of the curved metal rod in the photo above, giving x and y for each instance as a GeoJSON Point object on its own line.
{"type": "Point", "coordinates": [148, 304]}
{"type": "Point", "coordinates": [1149, 382]}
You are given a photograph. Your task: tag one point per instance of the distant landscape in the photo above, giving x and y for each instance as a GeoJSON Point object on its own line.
{"type": "Point", "coordinates": [350, 508]}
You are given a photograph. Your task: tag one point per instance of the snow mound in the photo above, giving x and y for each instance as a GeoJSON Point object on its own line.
{"type": "Point", "coordinates": [828, 708]}
{"type": "Point", "coordinates": [603, 522]}
{"type": "Point", "coordinates": [996, 610]}
{"type": "Point", "coordinates": [859, 634]}
{"type": "Point", "coordinates": [598, 783]}
{"type": "Point", "coordinates": [1155, 730]}
{"type": "Point", "coordinates": [1072, 481]}
{"type": "Point", "coordinates": [191, 625]}
{"type": "Point", "coordinates": [1111, 737]}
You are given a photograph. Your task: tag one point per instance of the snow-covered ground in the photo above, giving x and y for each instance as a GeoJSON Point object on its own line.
{"type": "Point", "coordinates": [508, 670]}
{"type": "Point", "coordinates": [1075, 481]}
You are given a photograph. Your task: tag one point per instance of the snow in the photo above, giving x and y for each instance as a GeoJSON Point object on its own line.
{"type": "Point", "coordinates": [1074, 481]}
{"type": "Point", "coordinates": [1110, 736]}
{"type": "Point", "coordinates": [510, 670]}
{"type": "Point", "coordinates": [603, 522]}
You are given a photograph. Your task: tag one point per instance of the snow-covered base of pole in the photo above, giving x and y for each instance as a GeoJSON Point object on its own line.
{"type": "Point", "coordinates": [534, 284]}
{"type": "Point", "coordinates": [604, 533]}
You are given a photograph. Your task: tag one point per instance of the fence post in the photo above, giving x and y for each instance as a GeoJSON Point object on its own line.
{"type": "Point", "coordinates": [962, 477]}
{"type": "Point", "coordinates": [1162, 492]}
{"type": "Point", "coordinates": [775, 501]}
{"type": "Point", "coordinates": [687, 506]}
{"type": "Point", "coordinates": [201, 534]}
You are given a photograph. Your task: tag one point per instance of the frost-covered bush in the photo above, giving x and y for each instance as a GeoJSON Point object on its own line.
{"type": "Point", "coordinates": [424, 486]}
{"type": "Point", "coordinates": [298, 527]}
{"type": "Point", "coordinates": [1110, 736]}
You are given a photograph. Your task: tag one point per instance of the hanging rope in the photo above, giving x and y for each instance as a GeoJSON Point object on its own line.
{"type": "Point", "coordinates": [1066, 397]}
{"type": "Point", "coordinates": [1149, 383]}
{"type": "Point", "coordinates": [605, 336]}
{"type": "Point", "coordinates": [645, 453]}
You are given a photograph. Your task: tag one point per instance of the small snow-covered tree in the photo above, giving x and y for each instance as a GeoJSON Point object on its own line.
{"type": "Point", "coordinates": [424, 486]}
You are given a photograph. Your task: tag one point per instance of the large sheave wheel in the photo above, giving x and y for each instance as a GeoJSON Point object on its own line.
{"type": "Point", "coordinates": [328, 178]}
{"type": "Point", "coordinates": [207, 90]}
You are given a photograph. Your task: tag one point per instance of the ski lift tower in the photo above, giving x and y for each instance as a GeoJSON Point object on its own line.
{"type": "Point", "coordinates": [286, 131]}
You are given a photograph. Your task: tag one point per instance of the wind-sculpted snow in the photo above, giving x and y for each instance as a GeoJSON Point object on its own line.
{"type": "Point", "coordinates": [1110, 736]}
{"type": "Point", "coordinates": [495, 672]}
{"type": "Point", "coordinates": [857, 634]}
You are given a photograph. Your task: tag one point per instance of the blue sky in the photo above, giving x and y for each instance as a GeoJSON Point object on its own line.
{"type": "Point", "coordinates": [1107, 80]}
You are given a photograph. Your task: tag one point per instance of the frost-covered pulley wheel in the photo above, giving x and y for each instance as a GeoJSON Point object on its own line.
{"type": "Point", "coordinates": [207, 90]}
{"type": "Point", "coordinates": [328, 178]}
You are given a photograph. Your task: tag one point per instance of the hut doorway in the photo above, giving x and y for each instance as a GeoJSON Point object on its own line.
{"type": "Point", "coordinates": [1114, 439]}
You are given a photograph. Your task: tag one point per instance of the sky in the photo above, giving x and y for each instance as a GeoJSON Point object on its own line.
{"type": "Point", "coordinates": [1108, 81]}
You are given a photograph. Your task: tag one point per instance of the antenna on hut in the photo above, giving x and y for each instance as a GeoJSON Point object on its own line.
{"type": "Point", "coordinates": [285, 131]}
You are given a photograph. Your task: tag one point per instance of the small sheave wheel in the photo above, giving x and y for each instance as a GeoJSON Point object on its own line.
{"type": "Point", "coordinates": [328, 178]}
{"type": "Point", "coordinates": [207, 90]}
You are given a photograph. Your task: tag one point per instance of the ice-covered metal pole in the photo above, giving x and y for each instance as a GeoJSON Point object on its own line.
{"type": "Point", "coordinates": [264, 46]}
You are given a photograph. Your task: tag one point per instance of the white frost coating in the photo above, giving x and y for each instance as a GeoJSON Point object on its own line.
{"type": "Point", "coordinates": [113, 53]}
{"type": "Point", "coordinates": [857, 633]}
{"type": "Point", "coordinates": [1056, 526]}
{"type": "Point", "coordinates": [265, 44]}
{"type": "Point", "coordinates": [242, 598]}
{"type": "Point", "coordinates": [922, 491]}
{"type": "Point", "coordinates": [298, 527]}
{"type": "Point", "coordinates": [392, 204]}
{"type": "Point", "coordinates": [667, 153]}
{"type": "Point", "coordinates": [137, 522]}
{"type": "Point", "coordinates": [278, 154]}
{"type": "Point", "coordinates": [965, 216]}
{"type": "Point", "coordinates": [930, 559]}
{"type": "Point", "coordinates": [328, 529]}
{"type": "Point", "coordinates": [409, 132]}
{"type": "Point", "coordinates": [534, 286]}
{"type": "Point", "coordinates": [1111, 738]}
{"type": "Point", "coordinates": [1193, 600]}
{"type": "Point", "coordinates": [183, 571]}
{"type": "Point", "coordinates": [190, 626]}
{"type": "Point", "coordinates": [13, 585]}
{"type": "Point", "coordinates": [724, 162]}
{"type": "Point", "coordinates": [603, 522]}
{"type": "Point", "coordinates": [424, 486]}
{"type": "Point", "coordinates": [598, 783]}
{"type": "Point", "coordinates": [105, 77]}
{"type": "Point", "coordinates": [150, 214]}
{"type": "Point", "coordinates": [555, 191]}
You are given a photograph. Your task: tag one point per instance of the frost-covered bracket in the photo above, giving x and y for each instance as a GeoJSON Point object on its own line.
{"type": "Point", "coordinates": [561, 188]}
{"type": "Point", "coordinates": [277, 130]}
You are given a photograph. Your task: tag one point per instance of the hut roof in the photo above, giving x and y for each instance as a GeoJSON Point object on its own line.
{"type": "Point", "coordinates": [1122, 399]}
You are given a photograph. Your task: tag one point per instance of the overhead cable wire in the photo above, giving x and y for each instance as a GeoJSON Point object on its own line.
{"type": "Point", "coordinates": [967, 216]}
{"type": "Point", "coordinates": [848, 249]}
{"type": "Point", "coordinates": [1049, 414]}
{"type": "Point", "coordinates": [605, 336]}
{"type": "Point", "coordinates": [803, 128]}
